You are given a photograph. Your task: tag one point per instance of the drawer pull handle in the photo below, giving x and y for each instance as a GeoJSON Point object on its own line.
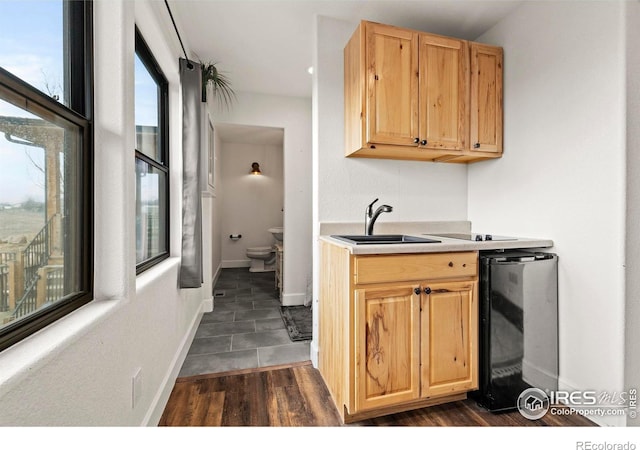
{"type": "Point", "coordinates": [417, 291]}
{"type": "Point", "coordinates": [427, 290]}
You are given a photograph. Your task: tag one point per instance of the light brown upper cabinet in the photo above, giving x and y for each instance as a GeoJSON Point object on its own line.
{"type": "Point", "coordinates": [443, 92]}
{"type": "Point", "coordinates": [486, 98]}
{"type": "Point", "coordinates": [411, 95]}
{"type": "Point", "coordinates": [392, 85]}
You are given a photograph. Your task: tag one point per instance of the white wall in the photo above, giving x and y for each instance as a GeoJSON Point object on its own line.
{"type": "Point", "coordinates": [632, 355]}
{"type": "Point", "coordinates": [216, 220]}
{"type": "Point", "coordinates": [294, 115]}
{"type": "Point", "coordinates": [343, 187]}
{"type": "Point", "coordinates": [79, 370]}
{"type": "Point", "coordinates": [417, 190]}
{"type": "Point", "coordinates": [562, 175]}
{"type": "Point", "coordinates": [251, 204]}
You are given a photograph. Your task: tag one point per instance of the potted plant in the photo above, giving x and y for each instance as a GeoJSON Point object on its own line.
{"type": "Point", "coordinates": [219, 82]}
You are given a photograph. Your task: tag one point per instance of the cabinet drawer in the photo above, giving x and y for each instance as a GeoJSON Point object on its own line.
{"type": "Point", "coordinates": [414, 267]}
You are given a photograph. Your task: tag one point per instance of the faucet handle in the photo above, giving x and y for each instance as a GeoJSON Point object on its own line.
{"type": "Point", "coordinates": [369, 210]}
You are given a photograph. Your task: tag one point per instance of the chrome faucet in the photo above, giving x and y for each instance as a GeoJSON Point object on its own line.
{"type": "Point", "coordinates": [370, 217]}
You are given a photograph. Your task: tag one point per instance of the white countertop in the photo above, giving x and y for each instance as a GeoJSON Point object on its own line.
{"type": "Point", "coordinates": [445, 245]}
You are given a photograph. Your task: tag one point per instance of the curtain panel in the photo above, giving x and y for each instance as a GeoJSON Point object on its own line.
{"type": "Point", "coordinates": [191, 275]}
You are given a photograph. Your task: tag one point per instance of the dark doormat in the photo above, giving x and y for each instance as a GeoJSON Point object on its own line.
{"type": "Point", "coordinates": [297, 320]}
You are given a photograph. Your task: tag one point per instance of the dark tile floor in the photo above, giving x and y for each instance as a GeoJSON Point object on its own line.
{"type": "Point", "coordinates": [245, 329]}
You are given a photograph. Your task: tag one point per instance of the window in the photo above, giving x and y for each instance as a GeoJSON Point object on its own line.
{"type": "Point", "coordinates": [152, 166]}
{"type": "Point", "coordinates": [46, 211]}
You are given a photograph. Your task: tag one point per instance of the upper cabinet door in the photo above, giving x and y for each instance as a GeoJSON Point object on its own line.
{"type": "Point", "coordinates": [444, 92]}
{"type": "Point", "coordinates": [392, 80]}
{"type": "Point", "coordinates": [486, 98]}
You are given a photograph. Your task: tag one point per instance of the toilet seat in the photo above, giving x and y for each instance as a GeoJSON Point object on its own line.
{"type": "Point", "coordinates": [262, 259]}
{"type": "Point", "coordinates": [259, 251]}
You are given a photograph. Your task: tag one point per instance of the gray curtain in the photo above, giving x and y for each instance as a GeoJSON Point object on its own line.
{"type": "Point", "coordinates": [191, 264]}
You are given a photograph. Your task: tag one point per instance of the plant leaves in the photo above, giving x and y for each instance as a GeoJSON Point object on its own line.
{"type": "Point", "coordinates": [220, 83]}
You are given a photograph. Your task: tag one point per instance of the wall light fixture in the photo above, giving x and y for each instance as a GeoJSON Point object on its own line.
{"type": "Point", "coordinates": [255, 169]}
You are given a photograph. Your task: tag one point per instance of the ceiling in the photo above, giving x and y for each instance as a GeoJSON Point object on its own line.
{"type": "Point", "coordinates": [266, 46]}
{"type": "Point", "coordinates": [250, 134]}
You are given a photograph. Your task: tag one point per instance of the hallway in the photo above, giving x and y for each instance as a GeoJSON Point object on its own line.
{"type": "Point", "coordinates": [244, 330]}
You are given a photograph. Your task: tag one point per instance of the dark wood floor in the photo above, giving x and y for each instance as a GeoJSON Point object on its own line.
{"type": "Point", "coordinates": [296, 395]}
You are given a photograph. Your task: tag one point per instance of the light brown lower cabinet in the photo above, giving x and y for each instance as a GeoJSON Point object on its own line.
{"type": "Point", "coordinates": [449, 338]}
{"type": "Point", "coordinates": [387, 347]}
{"type": "Point", "coordinates": [393, 346]}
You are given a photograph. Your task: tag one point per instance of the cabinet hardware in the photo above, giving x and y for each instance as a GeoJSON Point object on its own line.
{"type": "Point", "coordinates": [476, 145]}
{"type": "Point", "coordinates": [423, 142]}
{"type": "Point", "coordinates": [375, 77]}
{"type": "Point", "coordinates": [416, 140]}
{"type": "Point", "coordinates": [427, 290]}
{"type": "Point", "coordinates": [450, 263]}
{"type": "Point", "coordinates": [417, 291]}
{"type": "Point", "coordinates": [372, 146]}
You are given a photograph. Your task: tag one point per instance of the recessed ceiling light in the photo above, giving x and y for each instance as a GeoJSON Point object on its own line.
{"type": "Point", "coordinates": [310, 70]}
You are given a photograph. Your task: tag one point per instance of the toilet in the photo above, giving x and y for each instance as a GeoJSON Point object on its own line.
{"type": "Point", "coordinates": [263, 259]}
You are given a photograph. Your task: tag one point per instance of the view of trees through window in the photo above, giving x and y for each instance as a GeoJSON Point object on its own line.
{"type": "Point", "coordinates": [33, 214]}
{"type": "Point", "coordinates": [33, 46]}
{"type": "Point", "coordinates": [41, 147]}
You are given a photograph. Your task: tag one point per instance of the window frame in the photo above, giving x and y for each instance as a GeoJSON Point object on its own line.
{"type": "Point", "coordinates": [143, 51]}
{"type": "Point", "coordinates": [80, 113]}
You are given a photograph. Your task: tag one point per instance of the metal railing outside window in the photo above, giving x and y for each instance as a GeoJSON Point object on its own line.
{"type": "Point", "coordinates": [46, 164]}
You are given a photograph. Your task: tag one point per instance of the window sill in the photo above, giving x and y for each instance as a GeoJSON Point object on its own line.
{"type": "Point", "coordinates": [39, 349]}
{"type": "Point", "coordinates": [153, 262]}
{"type": "Point", "coordinates": [159, 270]}
{"type": "Point", "coordinates": [35, 352]}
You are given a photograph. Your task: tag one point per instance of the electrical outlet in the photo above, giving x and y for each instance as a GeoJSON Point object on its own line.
{"type": "Point", "coordinates": [136, 387]}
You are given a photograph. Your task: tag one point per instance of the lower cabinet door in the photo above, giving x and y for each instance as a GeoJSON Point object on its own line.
{"type": "Point", "coordinates": [449, 350]}
{"type": "Point", "coordinates": [387, 342]}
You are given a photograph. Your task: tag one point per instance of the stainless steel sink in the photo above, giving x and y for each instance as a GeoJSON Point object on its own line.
{"type": "Point", "coordinates": [384, 239]}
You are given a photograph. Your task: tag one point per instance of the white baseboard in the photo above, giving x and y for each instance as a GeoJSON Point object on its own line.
{"type": "Point", "coordinates": [537, 376]}
{"type": "Point", "coordinates": [232, 264]}
{"type": "Point", "coordinates": [293, 299]}
{"type": "Point", "coordinates": [313, 347]}
{"type": "Point", "coordinates": [216, 275]}
{"type": "Point", "coordinates": [207, 305]}
{"type": "Point", "coordinates": [608, 421]}
{"type": "Point", "coordinates": [154, 414]}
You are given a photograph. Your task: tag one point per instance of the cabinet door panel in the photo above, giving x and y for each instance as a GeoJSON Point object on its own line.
{"type": "Point", "coordinates": [444, 89]}
{"type": "Point", "coordinates": [449, 339]}
{"type": "Point", "coordinates": [486, 98]}
{"type": "Point", "coordinates": [392, 66]}
{"type": "Point", "coordinates": [387, 346]}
